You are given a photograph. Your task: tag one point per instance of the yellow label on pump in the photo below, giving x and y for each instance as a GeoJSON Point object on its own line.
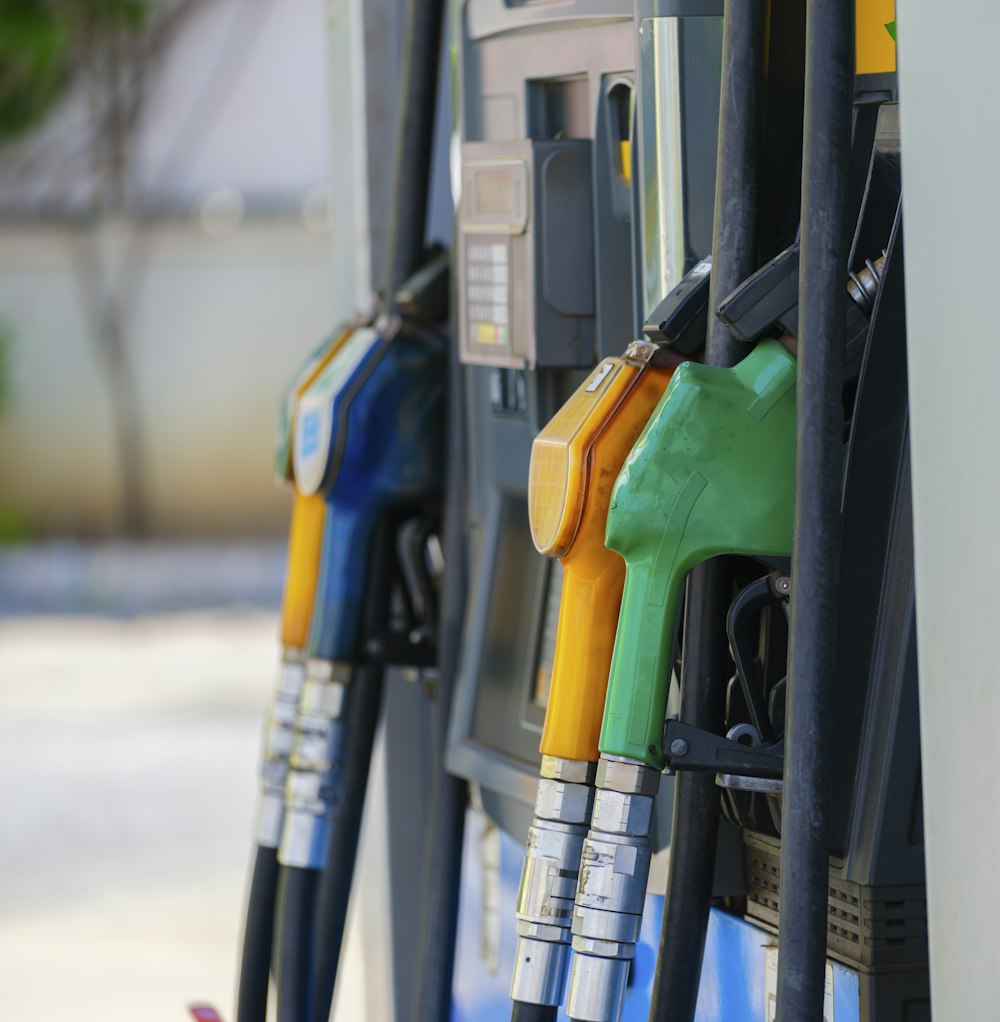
{"type": "Point", "coordinates": [625, 157]}
{"type": "Point", "coordinates": [574, 463]}
{"type": "Point", "coordinates": [305, 542]}
{"type": "Point", "coordinates": [874, 46]}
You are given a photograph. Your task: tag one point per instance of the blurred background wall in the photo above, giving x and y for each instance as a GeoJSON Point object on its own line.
{"type": "Point", "coordinates": [166, 261]}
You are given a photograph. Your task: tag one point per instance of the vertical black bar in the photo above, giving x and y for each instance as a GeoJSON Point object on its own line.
{"type": "Point", "coordinates": [446, 827]}
{"type": "Point", "coordinates": [705, 666]}
{"type": "Point", "coordinates": [333, 896]}
{"type": "Point", "coordinates": [255, 962]}
{"type": "Point", "coordinates": [737, 182]}
{"type": "Point", "coordinates": [818, 483]}
{"type": "Point", "coordinates": [414, 140]}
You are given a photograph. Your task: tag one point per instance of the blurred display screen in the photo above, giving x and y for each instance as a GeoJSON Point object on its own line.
{"type": "Point", "coordinates": [494, 193]}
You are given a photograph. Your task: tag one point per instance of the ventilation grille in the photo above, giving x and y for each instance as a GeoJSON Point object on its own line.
{"type": "Point", "coordinates": [867, 927]}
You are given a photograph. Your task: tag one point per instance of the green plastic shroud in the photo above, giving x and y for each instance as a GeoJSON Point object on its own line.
{"type": "Point", "coordinates": [712, 473]}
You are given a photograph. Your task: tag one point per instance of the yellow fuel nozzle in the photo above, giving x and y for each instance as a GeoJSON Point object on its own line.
{"type": "Point", "coordinates": [574, 463]}
{"type": "Point", "coordinates": [305, 534]}
{"type": "Point", "coordinates": [305, 544]}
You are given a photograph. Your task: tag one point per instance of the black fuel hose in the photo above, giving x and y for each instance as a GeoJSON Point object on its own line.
{"type": "Point", "coordinates": [255, 962]}
{"type": "Point", "coordinates": [705, 664]}
{"type": "Point", "coordinates": [802, 936]}
{"type": "Point", "coordinates": [334, 889]}
{"type": "Point", "coordinates": [414, 140]}
{"type": "Point", "coordinates": [695, 827]}
{"type": "Point", "coordinates": [295, 923]}
{"type": "Point", "coordinates": [449, 794]}
{"type": "Point", "coordinates": [522, 1011]}
{"type": "Point", "coordinates": [738, 165]}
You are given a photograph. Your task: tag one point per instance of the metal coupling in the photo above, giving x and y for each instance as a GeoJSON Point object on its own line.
{"type": "Point", "coordinates": [597, 988]}
{"type": "Point", "coordinates": [611, 892]}
{"type": "Point", "coordinates": [279, 729]}
{"type": "Point", "coordinates": [539, 971]}
{"type": "Point", "coordinates": [548, 880]}
{"type": "Point", "coordinates": [313, 782]}
{"type": "Point", "coordinates": [863, 286]}
{"type": "Point", "coordinates": [549, 874]}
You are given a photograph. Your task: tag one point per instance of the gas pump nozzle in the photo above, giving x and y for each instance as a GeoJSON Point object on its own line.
{"type": "Point", "coordinates": [367, 440]}
{"type": "Point", "coordinates": [574, 461]}
{"type": "Point", "coordinates": [712, 473]}
{"type": "Point", "coordinates": [301, 576]}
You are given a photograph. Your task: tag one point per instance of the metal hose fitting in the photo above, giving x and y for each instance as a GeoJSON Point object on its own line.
{"type": "Point", "coordinates": [313, 783]}
{"type": "Point", "coordinates": [549, 878]}
{"type": "Point", "coordinates": [614, 870]}
{"type": "Point", "coordinates": [279, 729]}
{"type": "Point", "coordinates": [863, 286]}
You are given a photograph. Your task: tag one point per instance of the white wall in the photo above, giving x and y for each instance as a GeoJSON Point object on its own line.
{"type": "Point", "coordinates": [218, 327]}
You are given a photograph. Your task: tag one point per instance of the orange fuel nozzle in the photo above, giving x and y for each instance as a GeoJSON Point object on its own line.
{"type": "Point", "coordinates": [574, 463]}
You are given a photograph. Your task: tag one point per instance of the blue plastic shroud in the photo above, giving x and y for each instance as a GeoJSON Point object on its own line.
{"type": "Point", "coordinates": [734, 979]}
{"type": "Point", "coordinates": [368, 436]}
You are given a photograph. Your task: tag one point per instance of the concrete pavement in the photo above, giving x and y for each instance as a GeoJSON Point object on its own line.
{"type": "Point", "coordinates": [128, 747]}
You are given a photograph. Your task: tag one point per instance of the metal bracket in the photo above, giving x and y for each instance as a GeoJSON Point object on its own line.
{"type": "Point", "coordinates": [689, 748]}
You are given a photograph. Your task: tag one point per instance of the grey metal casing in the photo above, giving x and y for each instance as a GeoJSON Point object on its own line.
{"type": "Point", "coordinates": [533, 81]}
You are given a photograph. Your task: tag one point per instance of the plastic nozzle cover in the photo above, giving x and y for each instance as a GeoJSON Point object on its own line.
{"type": "Point", "coordinates": [368, 438]}
{"type": "Point", "coordinates": [712, 473]}
{"type": "Point", "coordinates": [310, 369]}
{"type": "Point", "coordinates": [305, 543]}
{"type": "Point", "coordinates": [590, 436]}
{"type": "Point", "coordinates": [560, 466]}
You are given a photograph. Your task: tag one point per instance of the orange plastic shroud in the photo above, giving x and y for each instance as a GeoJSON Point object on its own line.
{"type": "Point", "coordinates": [574, 463]}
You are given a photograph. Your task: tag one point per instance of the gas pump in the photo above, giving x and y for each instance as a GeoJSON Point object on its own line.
{"type": "Point", "coordinates": [584, 167]}
{"type": "Point", "coordinates": [574, 460]}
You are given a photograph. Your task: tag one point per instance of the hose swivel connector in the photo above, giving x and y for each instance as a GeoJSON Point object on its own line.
{"type": "Point", "coordinates": [548, 880]}
{"type": "Point", "coordinates": [614, 870]}
{"type": "Point", "coordinates": [312, 790]}
{"type": "Point", "coordinates": [279, 730]}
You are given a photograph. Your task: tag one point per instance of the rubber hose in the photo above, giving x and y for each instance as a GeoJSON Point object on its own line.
{"type": "Point", "coordinates": [705, 665]}
{"type": "Point", "coordinates": [802, 927]}
{"type": "Point", "coordinates": [522, 1011]}
{"type": "Point", "coordinates": [362, 713]}
{"type": "Point", "coordinates": [296, 916]}
{"type": "Point", "coordinates": [255, 962]}
{"type": "Point", "coordinates": [695, 828]}
{"type": "Point", "coordinates": [414, 140]}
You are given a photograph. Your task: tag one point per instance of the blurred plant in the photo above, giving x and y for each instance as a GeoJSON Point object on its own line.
{"type": "Point", "coordinates": [41, 46]}
{"type": "Point", "coordinates": [13, 526]}
{"type": "Point", "coordinates": [100, 54]}
{"type": "Point", "coordinates": [6, 337]}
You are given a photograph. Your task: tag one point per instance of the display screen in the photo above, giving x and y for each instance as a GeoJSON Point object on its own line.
{"type": "Point", "coordinates": [495, 193]}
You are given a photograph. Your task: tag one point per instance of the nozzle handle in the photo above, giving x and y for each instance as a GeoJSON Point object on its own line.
{"type": "Point", "coordinates": [340, 593]}
{"type": "Point", "coordinates": [640, 673]}
{"type": "Point", "coordinates": [588, 618]}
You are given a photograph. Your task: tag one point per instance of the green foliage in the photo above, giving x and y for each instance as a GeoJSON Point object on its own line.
{"type": "Point", "coordinates": [34, 63]}
{"type": "Point", "coordinates": [41, 42]}
{"type": "Point", "coordinates": [6, 337]}
{"type": "Point", "coordinates": [890, 27]}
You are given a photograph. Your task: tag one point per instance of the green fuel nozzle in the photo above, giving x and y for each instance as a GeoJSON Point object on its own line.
{"type": "Point", "coordinates": [712, 473]}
